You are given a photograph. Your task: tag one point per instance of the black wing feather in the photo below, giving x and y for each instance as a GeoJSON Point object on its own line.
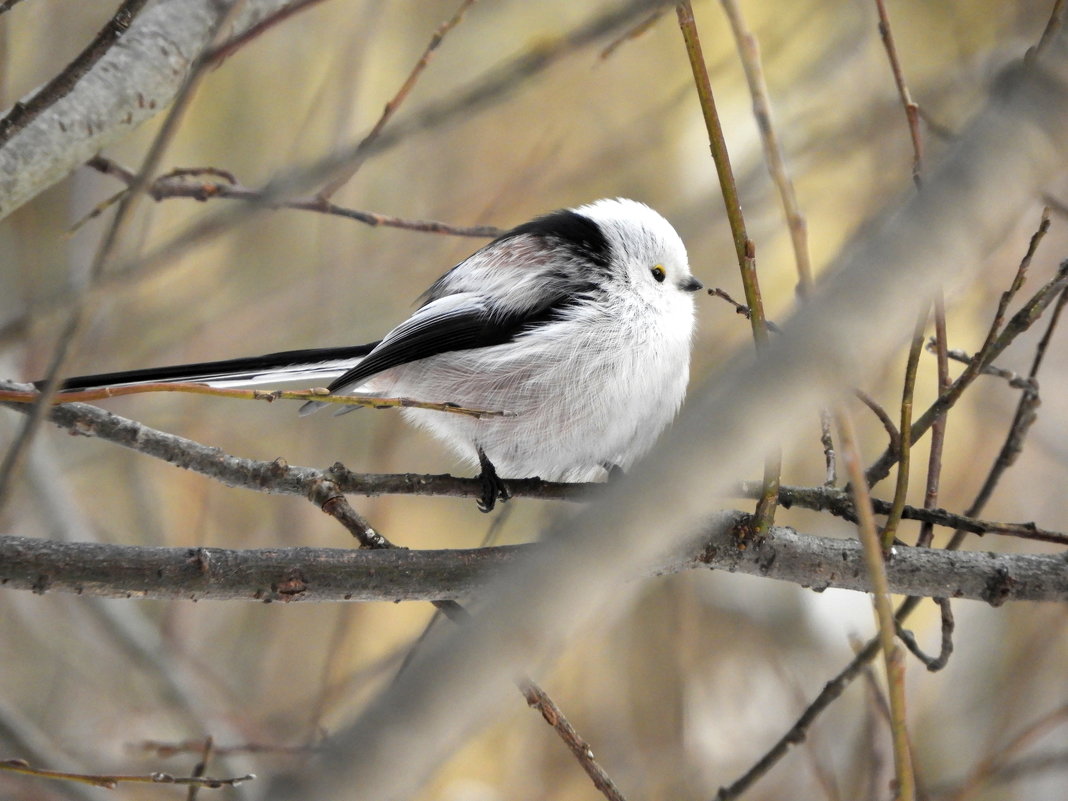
{"type": "Point", "coordinates": [463, 329]}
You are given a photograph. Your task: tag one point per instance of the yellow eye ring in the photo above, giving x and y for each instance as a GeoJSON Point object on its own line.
{"type": "Point", "coordinates": [659, 274]}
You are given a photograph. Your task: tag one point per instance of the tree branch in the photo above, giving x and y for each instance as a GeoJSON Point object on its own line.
{"type": "Point", "coordinates": [395, 574]}
{"type": "Point", "coordinates": [153, 57]}
{"type": "Point", "coordinates": [25, 111]}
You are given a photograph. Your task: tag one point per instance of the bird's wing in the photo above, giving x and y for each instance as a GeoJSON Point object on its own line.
{"type": "Point", "coordinates": [455, 322]}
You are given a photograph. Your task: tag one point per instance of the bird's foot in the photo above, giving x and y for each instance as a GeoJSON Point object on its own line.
{"type": "Point", "coordinates": [493, 488]}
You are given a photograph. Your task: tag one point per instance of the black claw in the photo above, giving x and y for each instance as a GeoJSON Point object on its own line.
{"type": "Point", "coordinates": [493, 488]}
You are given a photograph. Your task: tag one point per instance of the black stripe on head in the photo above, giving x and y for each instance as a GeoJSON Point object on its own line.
{"type": "Point", "coordinates": [577, 233]}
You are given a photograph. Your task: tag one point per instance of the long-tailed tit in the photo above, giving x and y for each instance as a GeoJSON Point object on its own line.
{"type": "Point", "coordinates": [578, 323]}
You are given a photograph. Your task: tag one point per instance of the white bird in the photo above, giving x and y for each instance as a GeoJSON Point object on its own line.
{"type": "Point", "coordinates": [578, 323]}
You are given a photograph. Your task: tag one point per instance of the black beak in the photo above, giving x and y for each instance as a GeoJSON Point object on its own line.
{"type": "Point", "coordinates": [691, 284]}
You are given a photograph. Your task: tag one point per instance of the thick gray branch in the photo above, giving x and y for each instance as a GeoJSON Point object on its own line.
{"type": "Point", "coordinates": [333, 574]}
{"type": "Point", "coordinates": [137, 78]}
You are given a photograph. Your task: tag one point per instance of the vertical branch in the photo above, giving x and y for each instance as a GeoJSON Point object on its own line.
{"type": "Point", "coordinates": [908, 393]}
{"type": "Point", "coordinates": [749, 53]}
{"type": "Point", "coordinates": [938, 427]}
{"type": "Point", "coordinates": [743, 245]}
{"type": "Point", "coordinates": [912, 110]}
{"type": "Point", "coordinates": [884, 614]}
{"type": "Point", "coordinates": [905, 447]}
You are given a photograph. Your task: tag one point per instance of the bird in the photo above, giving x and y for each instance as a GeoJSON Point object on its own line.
{"type": "Point", "coordinates": [578, 324]}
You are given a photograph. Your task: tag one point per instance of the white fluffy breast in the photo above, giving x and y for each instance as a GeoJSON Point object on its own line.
{"type": "Point", "coordinates": [588, 392]}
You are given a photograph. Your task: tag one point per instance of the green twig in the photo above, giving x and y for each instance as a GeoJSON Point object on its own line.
{"type": "Point", "coordinates": [903, 463]}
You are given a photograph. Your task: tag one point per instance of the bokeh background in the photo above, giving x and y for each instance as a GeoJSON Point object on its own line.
{"type": "Point", "coordinates": [683, 691]}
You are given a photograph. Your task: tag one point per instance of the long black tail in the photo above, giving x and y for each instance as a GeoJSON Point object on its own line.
{"type": "Point", "coordinates": [316, 364]}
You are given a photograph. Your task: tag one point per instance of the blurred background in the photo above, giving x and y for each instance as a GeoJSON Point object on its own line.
{"type": "Point", "coordinates": [678, 694]}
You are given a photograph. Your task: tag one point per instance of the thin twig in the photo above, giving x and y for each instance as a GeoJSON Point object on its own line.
{"type": "Point", "coordinates": [1020, 322]}
{"type": "Point", "coordinates": [201, 767]}
{"type": "Point", "coordinates": [633, 33]}
{"type": "Point", "coordinates": [868, 755]}
{"type": "Point", "coordinates": [1053, 25]}
{"type": "Point", "coordinates": [538, 699]}
{"type": "Point", "coordinates": [111, 781]}
{"type": "Point", "coordinates": [797, 733]}
{"type": "Point", "coordinates": [745, 249]}
{"type": "Point", "coordinates": [830, 457]}
{"type": "Point", "coordinates": [223, 50]}
{"type": "Point", "coordinates": [912, 110]}
{"type": "Point", "coordinates": [888, 424]}
{"type": "Point", "coordinates": [884, 614]}
{"type": "Point", "coordinates": [1025, 415]}
{"type": "Point", "coordinates": [938, 427]}
{"type": "Point", "coordinates": [394, 103]}
{"type": "Point", "coordinates": [912, 363]}
{"type": "Point", "coordinates": [930, 497]}
{"type": "Point", "coordinates": [749, 53]}
{"type": "Point", "coordinates": [741, 308]}
{"type": "Point", "coordinates": [904, 462]}
{"type": "Point", "coordinates": [319, 395]}
{"type": "Point", "coordinates": [170, 749]}
{"type": "Point", "coordinates": [1014, 380]}
{"type": "Point", "coordinates": [946, 648]}
{"type": "Point", "coordinates": [174, 185]}
{"type": "Point", "coordinates": [840, 504]}
{"type": "Point", "coordinates": [989, 765]}
{"type": "Point", "coordinates": [1014, 288]}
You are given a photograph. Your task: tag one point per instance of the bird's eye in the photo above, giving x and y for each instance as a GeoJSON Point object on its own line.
{"type": "Point", "coordinates": [659, 274]}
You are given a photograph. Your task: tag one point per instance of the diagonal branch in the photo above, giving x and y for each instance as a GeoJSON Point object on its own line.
{"type": "Point", "coordinates": [154, 59]}
{"type": "Point", "coordinates": [25, 111]}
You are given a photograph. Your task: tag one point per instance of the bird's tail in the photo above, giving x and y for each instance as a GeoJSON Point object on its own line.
{"type": "Point", "coordinates": [313, 365]}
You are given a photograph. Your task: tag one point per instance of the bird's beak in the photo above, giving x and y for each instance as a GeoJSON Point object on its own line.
{"type": "Point", "coordinates": [691, 284]}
